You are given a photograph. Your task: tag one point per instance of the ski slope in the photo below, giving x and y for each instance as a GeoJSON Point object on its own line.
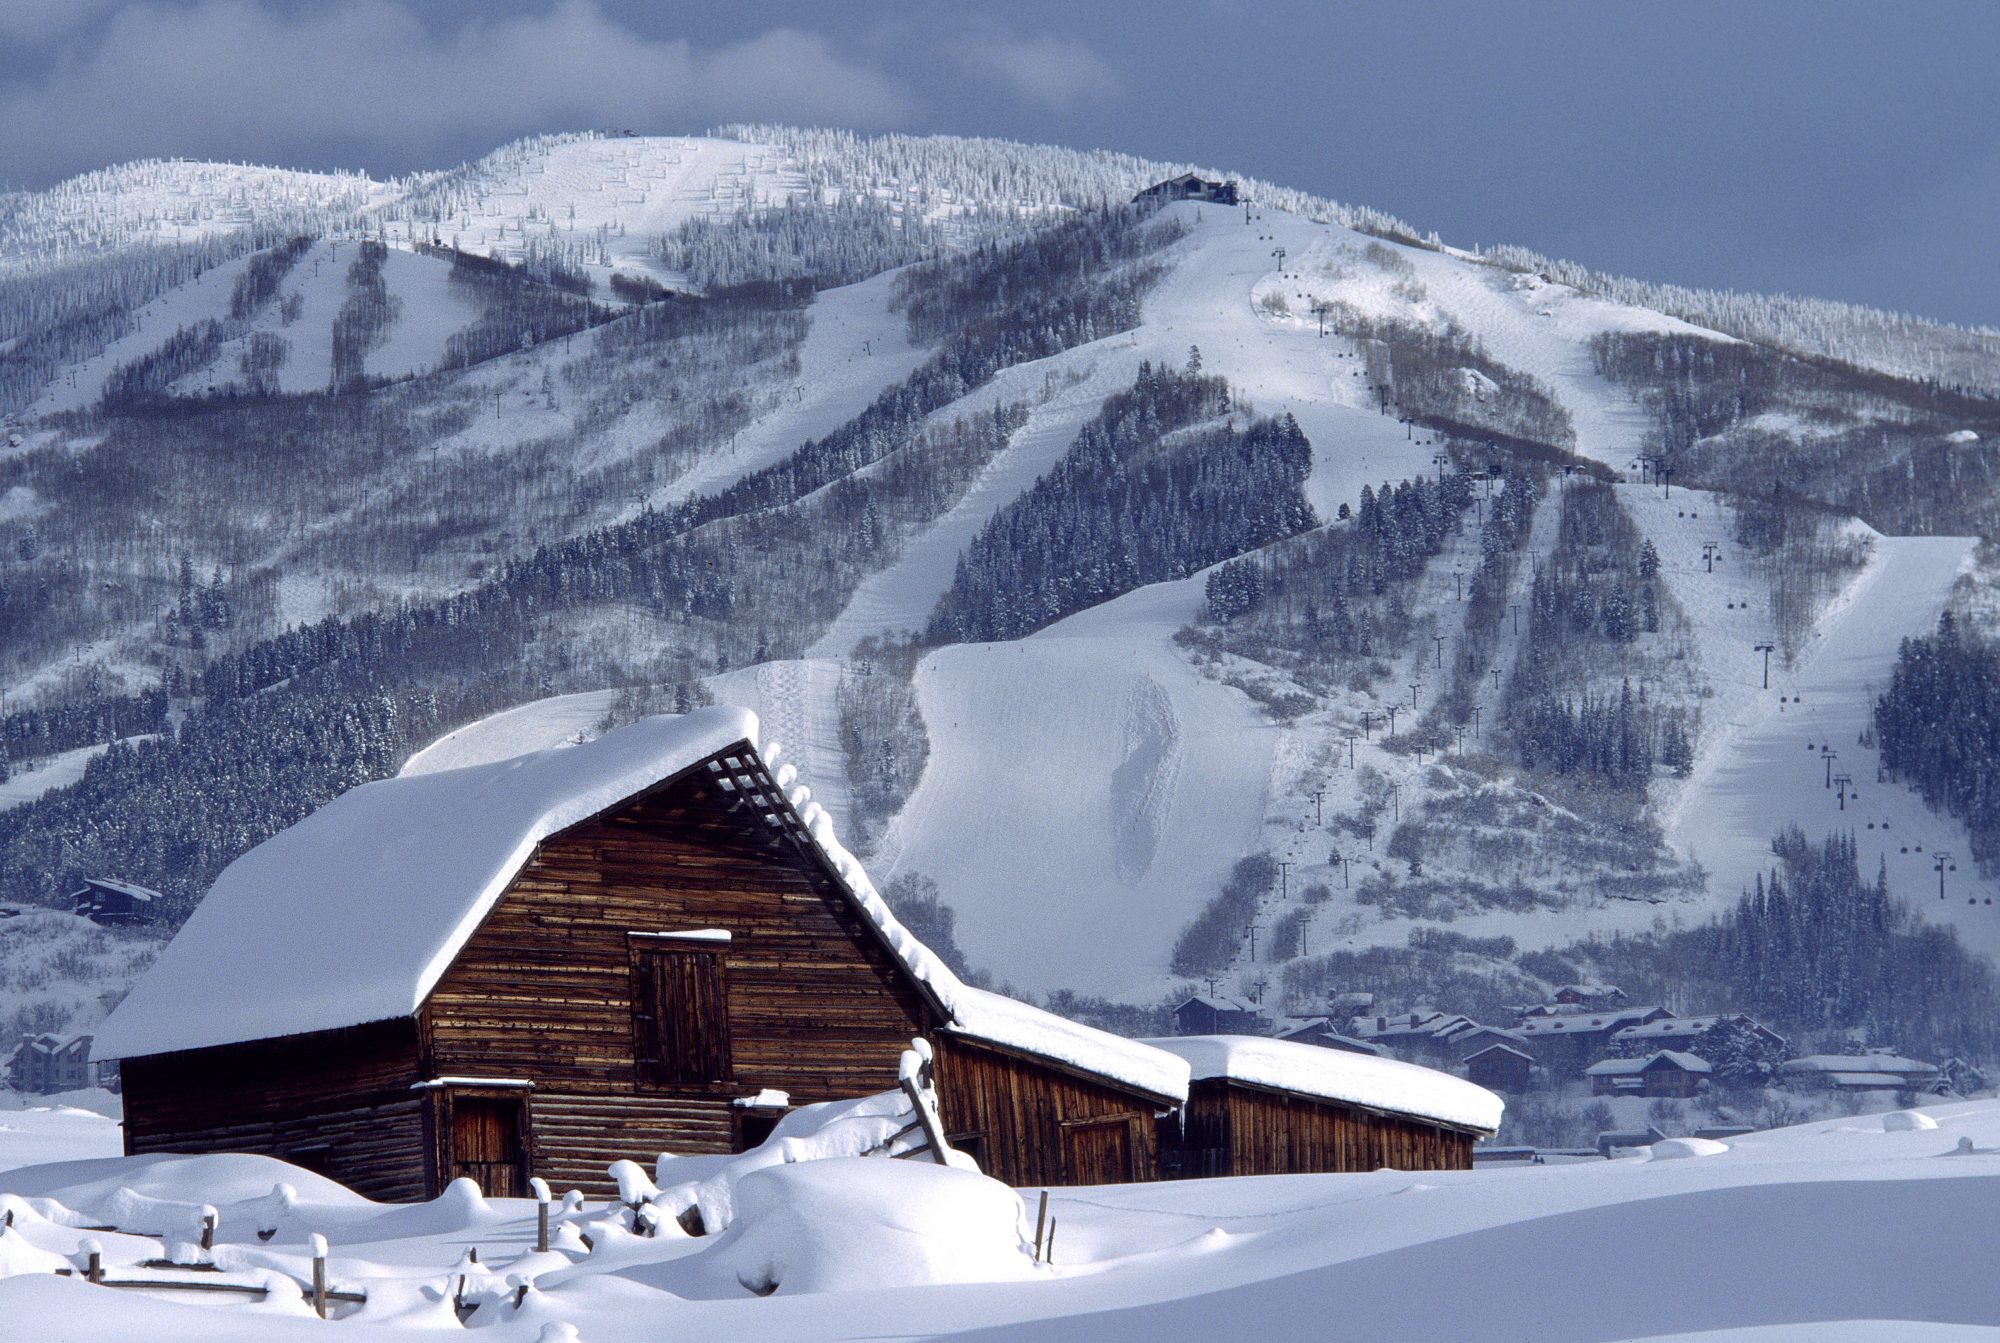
{"type": "Point", "coordinates": [1166, 776]}
{"type": "Point", "coordinates": [856, 346]}
{"type": "Point", "coordinates": [1758, 766]}
{"type": "Point", "coordinates": [606, 198]}
{"type": "Point", "coordinates": [1087, 789]}
{"type": "Point", "coordinates": [28, 780]}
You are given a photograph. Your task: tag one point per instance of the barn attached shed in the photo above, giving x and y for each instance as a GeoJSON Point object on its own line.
{"type": "Point", "coordinates": [1258, 1106]}
{"type": "Point", "coordinates": [651, 942]}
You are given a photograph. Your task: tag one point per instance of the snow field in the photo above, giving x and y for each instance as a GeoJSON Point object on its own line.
{"type": "Point", "coordinates": [1845, 1230]}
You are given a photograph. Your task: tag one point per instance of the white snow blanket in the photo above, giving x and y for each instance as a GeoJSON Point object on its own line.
{"type": "Point", "coordinates": [1338, 1075]}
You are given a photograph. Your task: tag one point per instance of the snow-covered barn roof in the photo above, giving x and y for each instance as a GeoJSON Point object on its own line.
{"type": "Point", "coordinates": [355, 913]}
{"type": "Point", "coordinates": [1335, 1074]}
{"type": "Point", "coordinates": [1005, 1021]}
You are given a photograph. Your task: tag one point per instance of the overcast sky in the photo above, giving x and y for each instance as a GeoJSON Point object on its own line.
{"type": "Point", "coordinates": [1845, 149]}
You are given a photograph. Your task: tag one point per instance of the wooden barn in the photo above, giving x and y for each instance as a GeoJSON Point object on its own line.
{"type": "Point", "coordinates": [1258, 1106]}
{"type": "Point", "coordinates": [541, 965]}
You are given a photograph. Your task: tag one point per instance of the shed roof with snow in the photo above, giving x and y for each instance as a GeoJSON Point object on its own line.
{"type": "Point", "coordinates": [354, 914]}
{"type": "Point", "coordinates": [1371, 1083]}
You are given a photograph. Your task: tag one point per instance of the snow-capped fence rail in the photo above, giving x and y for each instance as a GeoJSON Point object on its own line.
{"type": "Point", "coordinates": [319, 1293]}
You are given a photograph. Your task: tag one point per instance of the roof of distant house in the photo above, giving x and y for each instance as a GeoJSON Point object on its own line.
{"type": "Point", "coordinates": [1688, 1063]}
{"type": "Point", "coordinates": [1855, 1063]}
{"type": "Point", "coordinates": [1582, 1023]}
{"type": "Point", "coordinates": [137, 892]}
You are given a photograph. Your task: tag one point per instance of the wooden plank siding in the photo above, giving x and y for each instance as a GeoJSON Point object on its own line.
{"type": "Point", "coordinates": [814, 1005]}
{"type": "Point", "coordinates": [336, 1102]}
{"type": "Point", "coordinates": [1020, 1115]}
{"type": "Point", "coordinates": [1232, 1129]}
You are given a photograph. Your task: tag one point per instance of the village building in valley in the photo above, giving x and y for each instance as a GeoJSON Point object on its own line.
{"type": "Point", "coordinates": [652, 942]}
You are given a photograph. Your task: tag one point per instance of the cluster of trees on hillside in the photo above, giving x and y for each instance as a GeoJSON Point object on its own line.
{"type": "Point", "coordinates": [1134, 501]}
{"type": "Point", "coordinates": [518, 310]}
{"type": "Point", "coordinates": [1938, 727]}
{"type": "Point", "coordinates": [1817, 949]}
{"type": "Point", "coordinates": [823, 244]}
{"type": "Point", "coordinates": [1006, 281]}
{"type": "Point", "coordinates": [1322, 599]}
{"type": "Point", "coordinates": [50, 729]}
{"type": "Point", "coordinates": [173, 812]}
{"type": "Point", "coordinates": [1588, 734]}
{"type": "Point", "coordinates": [262, 274]}
{"type": "Point", "coordinates": [1896, 343]}
{"type": "Point", "coordinates": [1213, 937]}
{"type": "Point", "coordinates": [1801, 429]}
{"type": "Point", "coordinates": [1000, 179]}
{"type": "Point", "coordinates": [364, 317]}
{"type": "Point", "coordinates": [1596, 592]}
{"type": "Point", "coordinates": [1446, 378]}
{"type": "Point", "coordinates": [153, 374]}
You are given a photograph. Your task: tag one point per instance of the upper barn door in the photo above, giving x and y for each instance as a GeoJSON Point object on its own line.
{"type": "Point", "coordinates": [1099, 1151]}
{"type": "Point", "coordinates": [679, 1018]}
{"type": "Point", "coordinates": [488, 1144]}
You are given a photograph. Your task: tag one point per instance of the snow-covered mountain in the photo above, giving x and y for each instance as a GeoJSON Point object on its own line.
{"type": "Point", "coordinates": [977, 486]}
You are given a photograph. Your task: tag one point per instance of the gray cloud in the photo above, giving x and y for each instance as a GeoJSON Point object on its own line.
{"type": "Point", "coordinates": [38, 22]}
{"type": "Point", "coordinates": [1057, 73]}
{"type": "Point", "coordinates": [229, 78]}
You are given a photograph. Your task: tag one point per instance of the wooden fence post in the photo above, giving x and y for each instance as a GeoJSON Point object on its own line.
{"type": "Point", "coordinates": [541, 1190]}
{"type": "Point", "coordinates": [319, 1274]}
{"type": "Point", "coordinates": [209, 1219]}
{"type": "Point", "coordinates": [1041, 1221]}
{"type": "Point", "coordinates": [94, 1265]}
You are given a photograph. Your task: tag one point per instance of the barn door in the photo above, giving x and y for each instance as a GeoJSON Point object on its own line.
{"type": "Point", "coordinates": [487, 1144]}
{"type": "Point", "coordinates": [679, 1019]}
{"type": "Point", "coordinates": [1098, 1151]}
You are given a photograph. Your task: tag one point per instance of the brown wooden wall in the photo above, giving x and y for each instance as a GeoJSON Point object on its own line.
{"type": "Point", "coordinates": [1237, 1130]}
{"type": "Point", "coordinates": [543, 990]}
{"type": "Point", "coordinates": [1032, 1124]}
{"type": "Point", "coordinates": [337, 1102]}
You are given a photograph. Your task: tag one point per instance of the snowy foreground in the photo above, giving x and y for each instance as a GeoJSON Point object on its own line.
{"type": "Point", "coordinates": [1871, 1228]}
